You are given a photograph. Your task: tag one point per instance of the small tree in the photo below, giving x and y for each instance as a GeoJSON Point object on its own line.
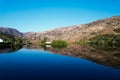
{"type": "Point", "coordinates": [42, 42]}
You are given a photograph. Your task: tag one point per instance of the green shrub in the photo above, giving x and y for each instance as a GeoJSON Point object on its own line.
{"type": "Point", "coordinates": [59, 44]}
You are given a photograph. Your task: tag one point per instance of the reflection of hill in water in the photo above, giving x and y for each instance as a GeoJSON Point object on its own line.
{"type": "Point", "coordinates": [107, 58]}
{"type": "Point", "coordinates": [9, 49]}
{"type": "Point", "coordinates": [33, 46]}
{"type": "Point", "coordinates": [37, 46]}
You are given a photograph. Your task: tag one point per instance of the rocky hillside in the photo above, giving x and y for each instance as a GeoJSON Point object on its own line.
{"type": "Point", "coordinates": [10, 31]}
{"type": "Point", "coordinates": [79, 32]}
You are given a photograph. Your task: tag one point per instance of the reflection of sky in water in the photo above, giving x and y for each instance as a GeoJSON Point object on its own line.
{"type": "Point", "coordinates": [39, 64]}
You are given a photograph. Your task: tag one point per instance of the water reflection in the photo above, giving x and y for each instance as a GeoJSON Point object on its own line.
{"type": "Point", "coordinates": [9, 49]}
{"type": "Point", "coordinates": [47, 47]}
{"type": "Point", "coordinates": [34, 46]}
{"type": "Point", "coordinates": [107, 58]}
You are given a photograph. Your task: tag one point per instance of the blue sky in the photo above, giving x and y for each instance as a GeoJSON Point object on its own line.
{"type": "Point", "coordinates": [42, 15]}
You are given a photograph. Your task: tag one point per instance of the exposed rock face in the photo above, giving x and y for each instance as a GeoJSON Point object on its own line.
{"type": "Point", "coordinates": [10, 31]}
{"type": "Point", "coordinates": [79, 32]}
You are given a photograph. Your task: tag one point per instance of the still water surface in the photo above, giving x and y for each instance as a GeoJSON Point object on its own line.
{"type": "Point", "coordinates": [32, 64]}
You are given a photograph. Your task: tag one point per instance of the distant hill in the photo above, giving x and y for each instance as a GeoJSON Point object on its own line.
{"type": "Point", "coordinates": [79, 32]}
{"type": "Point", "coordinates": [9, 39]}
{"type": "Point", "coordinates": [10, 31]}
{"type": "Point", "coordinates": [10, 35]}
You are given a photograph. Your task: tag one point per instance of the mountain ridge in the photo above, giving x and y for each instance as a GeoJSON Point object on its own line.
{"type": "Point", "coordinates": [11, 31]}
{"type": "Point", "coordinates": [79, 32]}
{"type": "Point", "coordinates": [71, 33]}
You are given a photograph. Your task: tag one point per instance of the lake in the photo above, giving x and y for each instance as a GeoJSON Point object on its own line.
{"type": "Point", "coordinates": [72, 63]}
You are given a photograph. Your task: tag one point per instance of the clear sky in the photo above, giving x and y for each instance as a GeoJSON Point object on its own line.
{"type": "Point", "coordinates": [42, 15]}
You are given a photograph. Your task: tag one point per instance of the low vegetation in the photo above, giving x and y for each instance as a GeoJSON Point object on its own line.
{"type": "Point", "coordinates": [108, 41]}
{"type": "Point", "coordinates": [13, 40]}
{"type": "Point", "coordinates": [43, 42]}
{"type": "Point", "coordinates": [54, 43]}
{"type": "Point", "coordinates": [59, 44]}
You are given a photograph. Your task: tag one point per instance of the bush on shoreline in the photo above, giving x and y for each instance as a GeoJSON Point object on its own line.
{"type": "Point", "coordinates": [59, 44]}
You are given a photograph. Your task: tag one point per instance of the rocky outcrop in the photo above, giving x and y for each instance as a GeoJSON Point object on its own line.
{"type": "Point", "coordinates": [79, 32]}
